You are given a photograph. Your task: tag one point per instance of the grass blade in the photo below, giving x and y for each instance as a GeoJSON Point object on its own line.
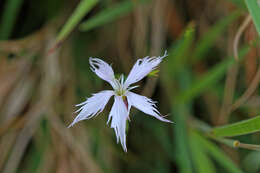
{"type": "Point", "coordinates": [180, 133]}
{"type": "Point", "coordinates": [182, 111]}
{"type": "Point", "coordinates": [203, 163]}
{"type": "Point", "coordinates": [110, 14]}
{"type": "Point", "coordinates": [11, 11]}
{"type": "Point", "coordinates": [178, 52]}
{"type": "Point", "coordinates": [217, 154]}
{"type": "Point", "coordinates": [208, 79]}
{"type": "Point", "coordinates": [82, 9]}
{"type": "Point", "coordinates": [254, 9]}
{"type": "Point", "coordinates": [240, 128]}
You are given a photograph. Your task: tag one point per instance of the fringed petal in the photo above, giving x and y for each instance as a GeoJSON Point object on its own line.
{"type": "Point", "coordinates": [92, 106]}
{"type": "Point", "coordinates": [118, 116]}
{"type": "Point", "coordinates": [145, 105]}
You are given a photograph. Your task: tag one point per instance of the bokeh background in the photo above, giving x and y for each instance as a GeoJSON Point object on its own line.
{"type": "Point", "coordinates": [209, 79]}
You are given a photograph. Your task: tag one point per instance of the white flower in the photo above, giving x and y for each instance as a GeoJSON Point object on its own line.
{"type": "Point", "coordinates": [124, 99]}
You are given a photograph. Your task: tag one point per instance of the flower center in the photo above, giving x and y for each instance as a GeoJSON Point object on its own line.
{"type": "Point", "coordinates": [120, 91]}
{"type": "Point", "coordinates": [119, 86]}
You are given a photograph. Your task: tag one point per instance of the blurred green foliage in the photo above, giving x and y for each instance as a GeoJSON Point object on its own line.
{"type": "Point", "coordinates": [190, 84]}
{"type": "Point", "coordinates": [8, 19]}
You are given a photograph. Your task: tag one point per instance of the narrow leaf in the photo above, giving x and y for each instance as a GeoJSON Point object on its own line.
{"type": "Point", "coordinates": [178, 52]}
{"type": "Point", "coordinates": [208, 79]}
{"type": "Point", "coordinates": [10, 13]}
{"type": "Point", "coordinates": [254, 9]}
{"type": "Point", "coordinates": [180, 133]}
{"type": "Point", "coordinates": [182, 111]}
{"type": "Point", "coordinates": [203, 163]}
{"type": "Point", "coordinates": [82, 9]}
{"type": "Point", "coordinates": [240, 128]}
{"type": "Point", "coordinates": [110, 14]}
{"type": "Point", "coordinates": [217, 154]}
